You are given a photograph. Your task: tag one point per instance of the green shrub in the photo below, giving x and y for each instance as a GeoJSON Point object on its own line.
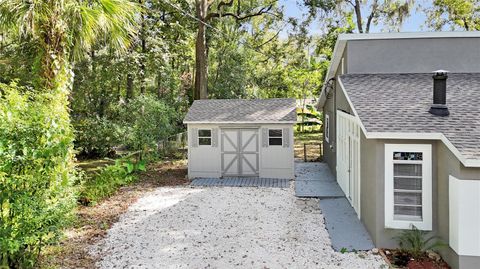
{"type": "Point", "coordinates": [36, 173]}
{"type": "Point", "coordinates": [106, 182]}
{"type": "Point", "coordinates": [415, 242]}
{"type": "Point", "coordinates": [96, 137]}
{"type": "Point", "coordinates": [146, 121]}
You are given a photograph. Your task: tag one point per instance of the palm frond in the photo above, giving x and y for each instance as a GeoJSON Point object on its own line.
{"type": "Point", "coordinates": [111, 20]}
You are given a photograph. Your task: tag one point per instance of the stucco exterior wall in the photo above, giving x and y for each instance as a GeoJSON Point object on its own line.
{"type": "Point", "coordinates": [397, 55]}
{"type": "Point", "coordinates": [335, 100]}
{"type": "Point", "coordinates": [444, 164]}
{"type": "Point", "coordinates": [274, 161]}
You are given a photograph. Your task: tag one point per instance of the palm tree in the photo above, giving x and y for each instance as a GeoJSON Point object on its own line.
{"type": "Point", "coordinates": [61, 31]}
{"type": "Point", "coordinates": [64, 30]}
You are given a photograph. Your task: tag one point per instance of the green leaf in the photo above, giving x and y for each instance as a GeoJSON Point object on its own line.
{"type": "Point", "coordinates": [142, 166]}
{"type": "Point", "coordinates": [130, 167]}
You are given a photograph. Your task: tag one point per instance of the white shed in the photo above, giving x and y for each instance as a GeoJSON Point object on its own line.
{"type": "Point", "coordinates": [236, 137]}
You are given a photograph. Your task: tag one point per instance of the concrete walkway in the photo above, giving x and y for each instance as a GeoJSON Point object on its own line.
{"type": "Point", "coordinates": [346, 231]}
{"type": "Point", "coordinates": [314, 179]}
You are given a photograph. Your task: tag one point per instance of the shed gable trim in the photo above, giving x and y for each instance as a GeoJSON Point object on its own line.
{"type": "Point", "coordinates": [240, 122]}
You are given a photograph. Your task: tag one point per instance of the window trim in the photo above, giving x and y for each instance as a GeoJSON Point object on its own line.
{"type": "Point", "coordinates": [199, 137]}
{"type": "Point", "coordinates": [280, 137]}
{"type": "Point", "coordinates": [390, 221]}
{"type": "Point", "coordinates": [327, 128]}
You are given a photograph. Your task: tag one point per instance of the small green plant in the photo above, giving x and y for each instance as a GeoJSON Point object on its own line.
{"type": "Point", "coordinates": [343, 250]}
{"type": "Point", "coordinates": [109, 179]}
{"type": "Point", "coordinates": [415, 242]}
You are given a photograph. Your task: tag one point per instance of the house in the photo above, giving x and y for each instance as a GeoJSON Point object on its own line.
{"type": "Point", "coordinates": [236, 137]}
{"type": "Point", "coordinates": [404, 141]}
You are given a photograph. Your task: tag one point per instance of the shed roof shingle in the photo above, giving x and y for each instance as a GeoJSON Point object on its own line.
{"type": "Point", "coordinates": [400, 103]}
{"type": "Point", "coordinates": [277, 110]}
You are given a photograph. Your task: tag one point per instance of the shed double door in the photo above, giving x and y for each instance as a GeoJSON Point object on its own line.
{"type": "Point", "coordinates": [239, 150]}
{"type": "Point", "coordinates": [348, 158]}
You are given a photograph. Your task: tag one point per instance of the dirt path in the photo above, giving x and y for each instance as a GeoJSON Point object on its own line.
{"type": "Point", "coordinates": [94, 221]}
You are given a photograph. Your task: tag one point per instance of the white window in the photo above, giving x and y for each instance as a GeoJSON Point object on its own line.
{"type": "Point", "coordinates": [327, 128]}
{"type": "Point", "coordinates": [408, 186]}
{"type": "Point", "coordinates": [275, 137]}
{"type": "Point", "coordinates": [204, 137]}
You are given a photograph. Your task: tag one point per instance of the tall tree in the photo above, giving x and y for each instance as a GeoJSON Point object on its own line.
{"type": "Point", "coordinates": [206, 11]}
{"type": "Point", "coordinates": [64, 30]}
{"type": "Point", "coordinates": [391, 13]}
{"type": "Point", "coordinates": [463, 14]}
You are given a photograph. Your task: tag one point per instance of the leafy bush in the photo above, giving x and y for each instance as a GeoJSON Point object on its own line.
{"type": "Point", "coordinates": [147, 120]}
{"type": "Point", "coordinates": [415, 242]}
{"type": "Point", "coordinates": [36, 173]}
{"type": "Point", "coordinates": [96, 137]}
{"type": "Point", "coordinates": [108, 180]}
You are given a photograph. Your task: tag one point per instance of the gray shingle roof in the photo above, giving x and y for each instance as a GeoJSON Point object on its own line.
{"type": "Point", "coordinates": [279, 110]}
{"type": "Point", "coordinates": [400, 103]}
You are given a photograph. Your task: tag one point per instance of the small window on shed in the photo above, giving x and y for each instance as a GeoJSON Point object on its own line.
{"type": "Point", "coordinates": [275, 137]}
{"type": "Point", "coordinates": [205, 137]}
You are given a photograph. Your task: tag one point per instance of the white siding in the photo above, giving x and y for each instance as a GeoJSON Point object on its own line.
{"type": "Point", "coordinates": [277, 161]}
{"type": "Point", "coordinates": [464, 214]}
{"type": "Point", "coordinates": [203, 161]}
{"type": "Point", "coordinates": [274, 161]}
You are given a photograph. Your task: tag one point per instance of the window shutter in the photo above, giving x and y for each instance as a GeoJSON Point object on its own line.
{"type": "Point", "coordinates": [194, 137]}
{"type": "Point", "coordinates": [264, 137]}
{"type": "Point", "coordinates": [286, 137]}
{"type": "Point", "coordinates": [214, 137]}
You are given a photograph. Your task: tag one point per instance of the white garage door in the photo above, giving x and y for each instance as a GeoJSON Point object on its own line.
{"type": "Point", "coordinates": [239, 152]}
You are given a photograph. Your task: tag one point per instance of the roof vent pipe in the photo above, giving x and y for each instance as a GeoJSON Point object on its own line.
{"type": "Point", "coordinates": [439, 106]}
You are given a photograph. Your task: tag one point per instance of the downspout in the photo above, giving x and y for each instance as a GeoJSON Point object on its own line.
{"type": "Point", "coordinates": [332, 86]}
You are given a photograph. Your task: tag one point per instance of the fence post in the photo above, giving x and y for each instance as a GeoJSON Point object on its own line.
{"type": "Point", "coordinates": [321, 151]}
{"type": "Point", "coordinates": [304, 152]}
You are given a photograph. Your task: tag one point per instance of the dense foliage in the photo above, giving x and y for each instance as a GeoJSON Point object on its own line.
{"type": "Point", "coordinates": [36, 175]}
{"type": "Point", "coordinates": [123, 74]}
{"type": "Point", "coordinates": [147, 120]}
{"type": "Point", "coordinates": [96, 137]}
{"type": "Point", "coordinates": [106, 182]}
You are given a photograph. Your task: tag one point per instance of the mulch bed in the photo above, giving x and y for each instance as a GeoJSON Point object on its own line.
{"type": "Point", "coordinates": [398, 259]}
{"type": "Point", "coordinates": [94, 221]}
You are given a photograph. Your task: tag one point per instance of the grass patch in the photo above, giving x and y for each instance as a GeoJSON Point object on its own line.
{"type": "Point", "coordinates": [90, 166]}
{"type": "Point", "coordinates": [312, 142]}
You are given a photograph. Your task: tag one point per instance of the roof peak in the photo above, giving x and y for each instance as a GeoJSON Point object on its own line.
{"type": "Point", "coordinates": [259, 111]}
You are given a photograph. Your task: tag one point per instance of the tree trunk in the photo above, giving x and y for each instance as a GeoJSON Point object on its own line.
{"type": "Point", "coordinates": [201, 68]}
{"type": "Point", "coordinates": [129, 94]}
{"type": "Point", "coordinates": [358, 15]}
{"type": "Point", "coordinates": [144, 51]}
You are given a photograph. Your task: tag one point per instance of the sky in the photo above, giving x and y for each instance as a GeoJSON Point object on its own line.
{"type": "Point", "coordinates": [414, 23]}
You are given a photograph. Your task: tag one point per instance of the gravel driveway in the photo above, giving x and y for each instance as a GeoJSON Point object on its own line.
{"type": "Point", "coordinates": [224, 227]}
